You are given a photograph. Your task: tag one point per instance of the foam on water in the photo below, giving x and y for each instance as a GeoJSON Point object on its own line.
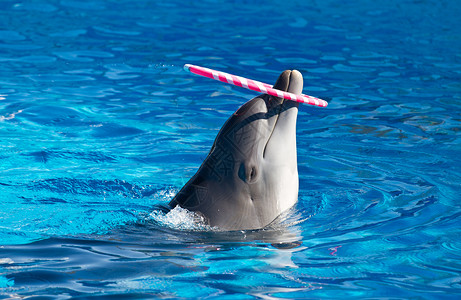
{"type": "Point", "coordinates": [180, 219]}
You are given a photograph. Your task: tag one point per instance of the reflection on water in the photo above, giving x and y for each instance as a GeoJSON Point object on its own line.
{"type": "Point", "coordinates": [145, 256]}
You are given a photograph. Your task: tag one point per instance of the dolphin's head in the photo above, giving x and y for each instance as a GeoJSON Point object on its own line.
{"type": "Point", "coordinates": [250, 175]}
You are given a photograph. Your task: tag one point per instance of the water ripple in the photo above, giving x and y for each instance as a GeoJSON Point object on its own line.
{"type": "Point", "coordinates": [83, 55]}
{"type": "Point", "coordinates": [100, 127]}
{"type": "Point", "coordinates": [9, 35]}
{"type": "Point", "coordinates": [57, 78]}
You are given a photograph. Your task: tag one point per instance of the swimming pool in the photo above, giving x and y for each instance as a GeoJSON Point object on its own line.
{"type": "Point", "coordinates": [99, 124]}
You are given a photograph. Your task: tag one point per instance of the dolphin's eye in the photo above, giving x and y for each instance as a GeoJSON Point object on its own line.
{"type": "Point", "coordinates": [253, 173]}
{"type": "Point", "coordinates": [246, 174]}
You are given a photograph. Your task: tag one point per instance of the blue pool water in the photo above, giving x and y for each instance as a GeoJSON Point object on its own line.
{"type": "Point", "coordinates": [99, 125]}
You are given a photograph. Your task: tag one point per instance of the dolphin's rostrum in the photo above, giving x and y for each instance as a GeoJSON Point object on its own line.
{"type": "Point", "coordinates": [250, 175]}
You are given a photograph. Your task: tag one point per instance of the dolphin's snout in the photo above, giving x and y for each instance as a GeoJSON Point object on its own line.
{"type": "Point", "coordinates": [282, 83]}
{"type": "Point", "coordinates": [296, 83]}
{"type": "Point", "coordinates": [289, 81]}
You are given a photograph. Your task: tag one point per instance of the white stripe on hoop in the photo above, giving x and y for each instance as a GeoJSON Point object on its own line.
{"type": "Point", "coordinates": [244, 82]}
{"type": "Point", "coordinates": [261, 87]}
{"type": "Point", "coordinates": [215, 75]}
{"type": "Point", "coordinates": [279, 93]}
{"type": "Point", "coordinates": [229, 78]}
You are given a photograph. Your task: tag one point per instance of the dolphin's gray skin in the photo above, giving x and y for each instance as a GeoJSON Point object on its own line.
{"type": "Point", "coordinates": [250, 175]}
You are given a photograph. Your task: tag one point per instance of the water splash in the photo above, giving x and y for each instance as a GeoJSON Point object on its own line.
{"type": "Point", "coordinates": [180, 219]}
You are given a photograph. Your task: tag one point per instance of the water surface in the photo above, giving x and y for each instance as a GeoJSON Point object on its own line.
{"type": "Point", "coordinates": [99, 124]}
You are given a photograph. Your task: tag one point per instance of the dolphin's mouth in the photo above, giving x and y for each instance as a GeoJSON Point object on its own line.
{"type": "Point", "coordinates": [277, 105]}
{"type": "Point", "coordinates": [276, 111]}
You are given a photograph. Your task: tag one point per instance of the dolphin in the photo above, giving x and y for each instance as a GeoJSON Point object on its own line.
{"type": "Point", "coordinates": [250, 175]}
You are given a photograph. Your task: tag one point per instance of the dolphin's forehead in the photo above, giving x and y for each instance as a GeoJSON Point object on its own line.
{"type": "Point", "coordinates": [247, 128]}
{"type": "Point", "coordinates": [253, 106]}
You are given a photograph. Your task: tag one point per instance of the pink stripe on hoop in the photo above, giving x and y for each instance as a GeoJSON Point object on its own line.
{"type": "Point", "coordinates": [253, 85]}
